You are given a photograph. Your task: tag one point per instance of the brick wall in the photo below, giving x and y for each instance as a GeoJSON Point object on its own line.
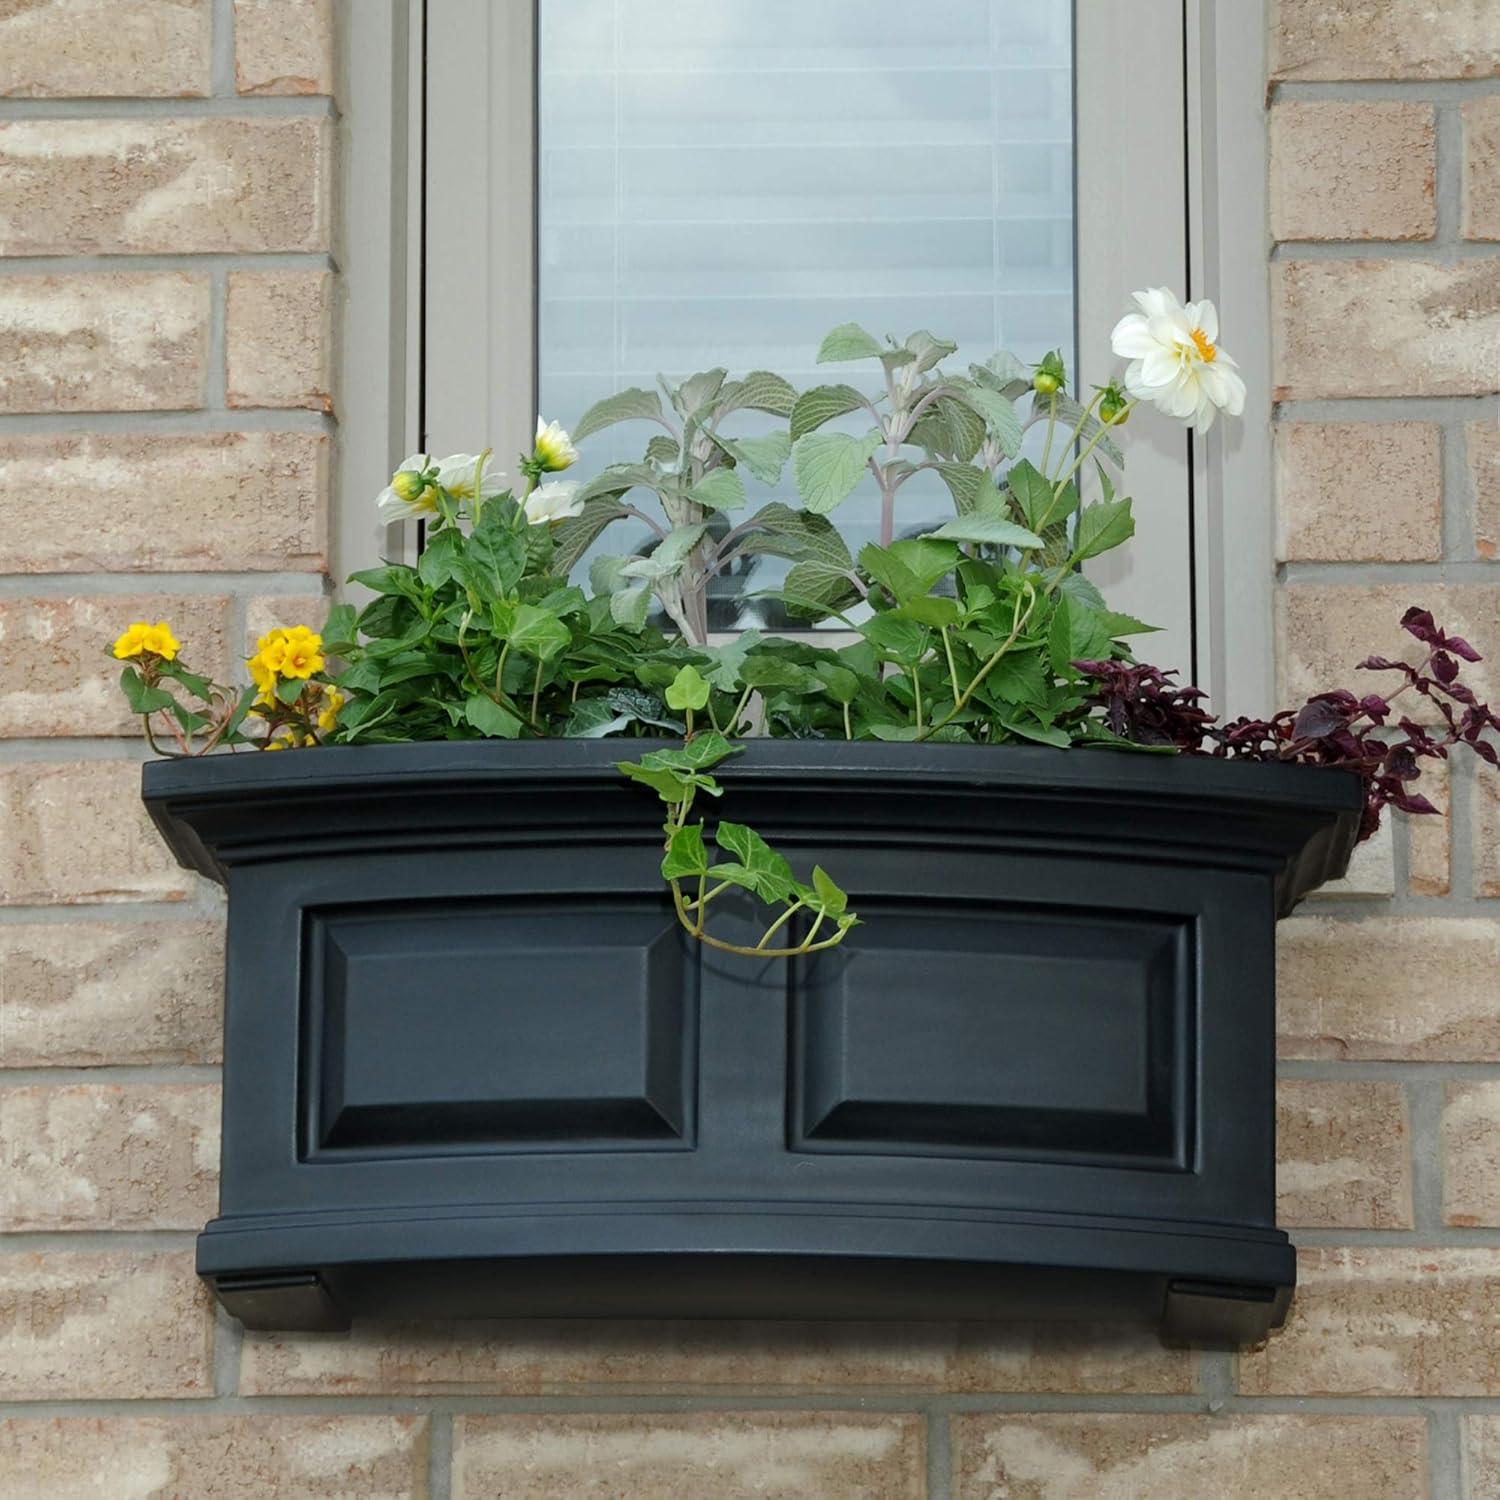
{"type": "Point", "coordinates": [165, 437]}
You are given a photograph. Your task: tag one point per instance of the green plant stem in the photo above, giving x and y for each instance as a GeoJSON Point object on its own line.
{"type": "Point", "coordinates": [1051, 427]}
{"type": "Point", "coordinates": [500, 671]}
{"type": "Point", "coordinates": [916, 691]}
{"type": "Point", "coordinates": [779, 923]}
{"type": "Point", "coordinates": [1018, 625]}
{"type": "Point", "coordinates": [952, 670]}
{"type": "Point", "coordinates": [848, 730]}
{"type": "Point", "coordinates": [709, 940]}
{"type": "Point", "coordinates": [536, 694]}
{"type": "Point", "coordinates": [739, 708]}
{"type": "Point", "coordinates": [1092, 443]}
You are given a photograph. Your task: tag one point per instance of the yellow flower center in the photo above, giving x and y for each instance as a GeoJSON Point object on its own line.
{"type": "Point", "coordinates": [1206, 350]}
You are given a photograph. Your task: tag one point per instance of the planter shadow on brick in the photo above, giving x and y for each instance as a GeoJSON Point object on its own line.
{"type": "Point", "coordinates": [474, 1068]}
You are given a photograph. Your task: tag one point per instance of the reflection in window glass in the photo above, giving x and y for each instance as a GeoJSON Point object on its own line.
{"type": "Point", "coordinates": [722, 183]}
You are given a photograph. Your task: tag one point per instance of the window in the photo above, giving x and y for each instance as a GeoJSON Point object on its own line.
{"type": "Point", "coordinates": [586, 192]}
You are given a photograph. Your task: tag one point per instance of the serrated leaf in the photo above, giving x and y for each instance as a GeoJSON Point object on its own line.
{"type": "Point", "coordinates": [848, 341]}
{"type": "Point", "coordinates": [577, 534]}
{"type": "Point", "coordinates": [928, 350]}
{"type": "Point", "coordinates": [828, 466]}
{"type": "Point", "coordinates": [490, 718]}
{"type": "Point", "coordinates": [617, 479]}
{"type": "Point", "coordinates": [662, 451]}
{"type": "Point", "coordinates": [760, 390]}
{"type": "Point", "coordinates": [719, 489]}
{"type": "Point", "coordinates": [632, 405]}
{"type": "Point", "coordinates": [890, 572]}
{"type": "Point", "coordinates": [950, 429]}
{"type": "Point", "coordinates": [999, 416]}
{"type": "Point", "coordinates": [814, 589]}
{"type": "Point", "coordinates": [670, 554]}
{"type": "Point", "coordinates": [798, 533]}
{"type": "Point", "coordinates": [697, 392]}
{"type": "Point", "coordinates": [1102, 526]}
{"type": "Point", "coordinates": [966, 484]}
{"type": "Point", "coordinates": [628, 608]}
{"type": "Point", "coordinates": [993, 530]}
{"type": "Point", "coordinates": [765, 457]}
{"type": "Point", "coordinates": [822, 404]}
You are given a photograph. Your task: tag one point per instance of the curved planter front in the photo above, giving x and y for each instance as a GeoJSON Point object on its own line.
{"type": "Point", "coordinates": [473, 1068]}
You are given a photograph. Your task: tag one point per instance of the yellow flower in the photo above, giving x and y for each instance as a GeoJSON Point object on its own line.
{"type": "Point", "coordinates": [328, 715]}
{"type": "Point", "coordinates": [302, 653]}
{"type": "Point", "coordinates": [263, 675]}
{"type": "Point", "coordinates": [144, 639]}
{"type": "Point", "coordinates": [553, 450]}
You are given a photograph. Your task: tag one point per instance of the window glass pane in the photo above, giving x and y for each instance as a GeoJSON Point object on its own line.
{"type": "Point", "coordinates": [721, 183]}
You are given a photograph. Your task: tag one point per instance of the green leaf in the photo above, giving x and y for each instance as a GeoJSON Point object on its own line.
{"type": "Point", "coordinates": [538, 632]}
{"type": "Point", "coordinates": [719, 489]}
{"type": "Point", "coordinates": [700, 753]}
{"type": "Point", "coordinates": [760, 390]}
{"type": "Point", "coordinates": [904, 641]}
{"type": "Point", "coordinates": [928, 609]}
{"type": "Point", "coordinates": [669, 556]}
{"type": "Point", "coordinates": [394, 578]}
{"type": "Point", "coordinates": [577, 534]}
{"type": "Point", "coordinates": [928, 559]}
{"type": "Point", "coordinates": [840, 683]}
{"type": "Point", "coordinates": [625, 406]}
{"type": "Point", "coordinates": [439, 558]}
{"type": "Point", "coordinates": [618, 479]}
{"type": "Point", "coordinates": [1101, 526]}
{"type": "Point", "coordinates": [848, 341]}
{"type": "Point", "coordinates": [967, 484]}
{"type": "Point", "coordinates": [729, 658]}
{"type": "Point", "coordinates": [688, 690]}
{"type": "Point", "coordinates": [1069, 412]}
{"type": "Point", "coordinates": [814, 589]}
{"type": "Point", "coordinates": [592, 719]}
{"type": "Point", "coordinates": [890, 572]}
{"type": "Point", "coordinates": [1117, 625]}
{"type": "Point", "coordinates": [1004, 373]}
{"type": "Point", "coordinates": [338, 631]}
{"type": "Point", "coordinates": [765, 457]}
{"type": "Point", "coordinates": [831, 897]}
{"type": "Point", "coordinates": [686, 857]}
{"type": "Point", "coordinates": [999, 416]}
{"type": "Point", "coordinates": [797, 534]}
{"type": "Point", "coordinates": [993, 530]}
{"type": "Point", "coordinates": [495, 557]}
{"type": "Point", "coordinates": [1032, 493]}
{"type": "Point", "coordinates": [822, 404]}
{"type": "Point", "coordinates": [629, 608]}
{"type": "Point", "coordinates": [671, 786]}
{"type": "Point", "coordinates": [490, 718]}
{"type": "Point", "coordinates": [290, 689]}
{"type": "Point", "coordinates": [950, 429]}
{"type": "Point", "coordinates": [928, 350]}
{"type": "Point", "coordinates": [695, 393]}
{"type": "Point", "coordinates": [143, 699]}
{"type": "Point", "coordinates": [645, 708]}
{"type": "Point", "coordinates": [828, 466]}
{"type": "Point", "coordinates": [758, 866]}
{"type": "Point", "coordinates": [1018, 677]}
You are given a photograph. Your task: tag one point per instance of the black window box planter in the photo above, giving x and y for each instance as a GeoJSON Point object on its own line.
{"type": "Point", "coordinates": [473, 1068]}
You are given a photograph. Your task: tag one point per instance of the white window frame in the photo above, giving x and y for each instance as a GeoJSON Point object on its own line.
{"type": "Point", "coordinates": [438, 336]}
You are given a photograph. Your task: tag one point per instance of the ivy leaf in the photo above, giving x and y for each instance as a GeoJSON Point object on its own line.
{"type": "Point", "coordinates": [645, 708]}
{"type": "Point", "coordinates": [700, 753]}
{"type": "Point", "coordinates": [729, 658]}
{"type": "Point", "coordinates": [593, 719]}
{"type": "Point", "coordinates": [688, 690]}
{"type": "Point", "coordinates": [686, 857]}
{"type": "Point", "coordinates": [846, 342]}
{"type": "Point", "coordinates": [831, 898]}
{"type": "Point", "coordinates": [828, 466]}
{"type": "Point", "coordinates": [538, 632]}
{"type": "Point", "coordinates": [719, 489]}
{"type": "Point", "coordinates": [632, 405]}
{"type": "Point", "coordinates": [491, 719]}
{"type": "Point", "coordinates": [822, 404]}
{"type": "Point", "coordinates": [1101, 526]}
{"type": "Point", "coordinates": [757, 867]}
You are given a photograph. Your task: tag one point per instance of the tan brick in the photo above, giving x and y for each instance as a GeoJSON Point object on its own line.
{"type": "Point", "coordinates": [733, 1456]}
{"type": "Point", "coordinates": [103, 341]}
{"type": "Point", "coordinates": [1343, 1155]}
{"type": "Point", "coordinates": [1429, 838]}
{"type": "Point", "coordinates": [283, 46]}
{"type": "Point", "coordinates": [76, 832]}
{"type": "Point", "coordinates": [1385, 328]}
{"type": "Point", "coordinates": [78, 49]}
{"type": "Point", "coordinates": [86, 1326]}
{"type": "Point", "coordinates": [1483, 444]}
{"type": "Point", "coordinates": [1481, 119]}
{"type": "Point", "coordinates": [1353, 171]}
{"type": "Point", "coordinates": [1487, 833]}
{"type": "Point", "coordinates": [1072, 1456]}
{"type": "Point", "coordinates": [109, 1156]}
{"type": "Point", "coordinates": [230, 1458]}
{"type": "Point", "coordinates": [1359, 492]}
{"type": "Point", "coordinates": [279, 339]}
{"type": "Point", "coordinates": [1326, 630]}
{"type": "Point", "coordinates": [1395, 987]}
{"type": "Point", "coordinates": [57, 676]}
{"type": "Point", "coordinates": [1385, 1322]}
{"type": "Point", "coordinates": [90, 993]}
{"type": "Point", "coordinates": [1371, 871]}
{"type": "Point", "coordinates": [1384, 39]}
{"type": "Point", "coordinates": [145, 186]}
{"type": "Point", "coordinates": [202, 502]}
{"type": "Point", "coordinates": [549, 1358]}
{"type": "Point", "coordinates": [1482, 1457]}
{"type": "Point", "coordinates": [1471, 1154]}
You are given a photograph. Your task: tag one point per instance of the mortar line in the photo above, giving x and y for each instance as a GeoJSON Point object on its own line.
{"type": "Point", "coordinates": [1424, 1105]}
{"type": "Point", "coordinates": [228, 1337]}
{"type": "Point", "coordinates": [939, 1435]}
{"type": "Point", "coordinates": [221, 54]}
{"type": "Point", "coordinates": [216, 375]}
{"type": "Point", "coordinates": [108, 585]}
{"type": "Point", "coordinates": [1463, 795]}
{"type": "Point", "coordinates": [182, 422]}
{"type": "Point", "coordinates": [439, 1455]}
{"type": "Point", "coordinates": [1448, 175]}
{"type": "Point", "coordinates": [110, 1075]}
{"type": "Point", "coordinates": [77, 1241]}
{"type": "Point", "coordinates": [209, 903]}
{"type": "Point", "coordinates": [1444, 1455]}
{"type": "Point", "coordinates": [1443, 251]}
{"type": "Point", "coordinates": [1481, 1237]}
{"type": "Point", "coordinates": [1458, 501]}
{"type": "Point", "coordinates": [1474, 406]}
{"type": "Point", "coordinates": [1216, 1378]}
{"type": "Point", "coordinates": [205, 260]}
{"type": "Point", "coordinates": [1407, 90]}
{"type": "Point", "coordinates": [229, 106]}
{"type": "Point", "coordinates": [1367, 573]}
{"type": "Point", "coordinates": [1393, 1071]}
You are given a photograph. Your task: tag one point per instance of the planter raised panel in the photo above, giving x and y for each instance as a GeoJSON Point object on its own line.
{"type": "Point", "coordinates": [474, 1068]}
